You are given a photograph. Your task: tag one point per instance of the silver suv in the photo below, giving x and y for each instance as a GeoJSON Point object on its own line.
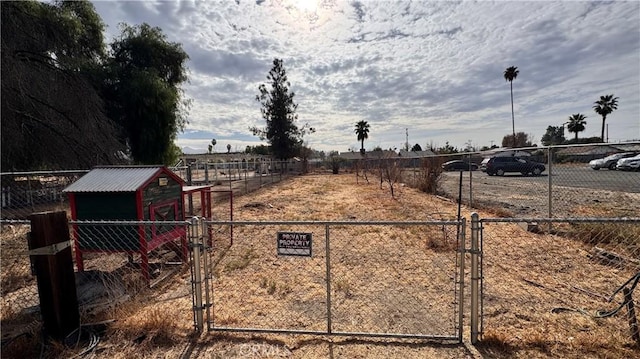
{"type": "Point", "coordinates": [609, 161]}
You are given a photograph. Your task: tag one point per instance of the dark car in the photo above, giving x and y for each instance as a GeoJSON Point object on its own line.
{"type": "Point", "coordinates": [501, 165]}
{"type": "Point", "coordinates": [459, 165]}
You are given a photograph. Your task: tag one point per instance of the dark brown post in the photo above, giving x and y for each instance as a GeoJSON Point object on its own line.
{"type": "Point", "coordinates": [51, 255]}
{"type": "Point", "coordinates": [633, 323]}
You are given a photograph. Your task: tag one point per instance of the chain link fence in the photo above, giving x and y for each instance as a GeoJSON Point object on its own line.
{"type": "Point", "coordinates": [241, 176]}
{"type": "Point", "coordinates": [24, 193]}
{"type": "Point", "coordinates": [569, 186]}
{"type": "Point", "coordinates": [562, 281]}
{"type": "Point", "coordinates": [373, 279]}
{"type": "Point", "coordinates": [124, 271]}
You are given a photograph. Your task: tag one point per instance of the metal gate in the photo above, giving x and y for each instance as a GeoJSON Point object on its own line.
{"type": "Point", "coordinates": [373, 279]}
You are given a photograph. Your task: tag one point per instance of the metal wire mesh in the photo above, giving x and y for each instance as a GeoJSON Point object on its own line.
{"type": "Point", "coordinates": [19, 290]}
{"type": "Point", "coordinates": [28, 192]}
{"type": "Point", "coordinates": [559, 282]}
{"type": "Point", "coordinates": [376, 279]}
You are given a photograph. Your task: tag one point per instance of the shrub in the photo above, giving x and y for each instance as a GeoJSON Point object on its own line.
{"type": "Point", "coordinates": [430, 175]}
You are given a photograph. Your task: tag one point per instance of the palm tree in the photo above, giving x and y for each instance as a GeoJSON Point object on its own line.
{"type": "Point", "coordinates": [510, 74]}
{"type": "Point", "coordinates": [362, 132]}
{"type": "Point", "coordinates": [603, 107]}
{"type": "Point", "coordinates": [576, 123]}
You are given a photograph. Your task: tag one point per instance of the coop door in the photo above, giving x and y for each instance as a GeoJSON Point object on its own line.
{"type": "Point", "coordinates": [166, 211]}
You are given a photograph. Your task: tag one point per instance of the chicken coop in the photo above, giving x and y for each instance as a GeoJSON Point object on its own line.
{"type": "Point", "coordinates": [128, 193]}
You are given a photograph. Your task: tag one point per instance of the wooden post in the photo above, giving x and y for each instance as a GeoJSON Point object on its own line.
{"type": "Point", "coordinates": [51, 253]}
{"type": "Point", "coordinates": [631, 312]}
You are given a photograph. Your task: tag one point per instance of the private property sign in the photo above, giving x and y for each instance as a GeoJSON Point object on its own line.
{"type": "Point", "coordinates": [294, 244]}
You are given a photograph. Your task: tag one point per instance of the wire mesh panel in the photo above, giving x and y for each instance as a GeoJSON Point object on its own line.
{"type": "Point", "coordinates": [254, 287]}
{"type": "Point", "coordinates": [24, 193]}
{"type": "Point", "coordinates": [383, 279]}
{"type": "Point", "coordinates": [18, 285]}
{"type": "Point", "coordinates": [135, 251]}
{"type": "Point", "coordinates": [560, 281]}
{"type": "Point", "coordinates": [394, 279]}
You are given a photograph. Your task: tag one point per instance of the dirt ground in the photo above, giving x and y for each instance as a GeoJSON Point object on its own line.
{"type": "Point", "coordinates": [524, 283]}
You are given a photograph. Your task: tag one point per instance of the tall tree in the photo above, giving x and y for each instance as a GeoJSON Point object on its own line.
{"type": "Point", "coordinates": [510, 74]}
{"type": "Point", "coordinates": [362, 133]}
{"type": "Point", "coordinates": [521, 140]}
{"type": "Point", "coordinates": [52, 116]}
{"type": "Point", "coordinates": [228, 148]}
{"type": "Point", "coordinates": [213, 144]}
{"type": "Point", "coordinates": [603, 107]}
{"type": "Point", "coordinates": [142, 85]}
{"type": "Point", "coordinates": [553, 136]}
{"type": "Point", "coordinates": [576, 124]}
{"type": "Point", "coordinates": [279, 112]}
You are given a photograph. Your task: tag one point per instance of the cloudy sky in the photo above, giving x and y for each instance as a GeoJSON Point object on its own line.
{"type": "Point", "coordinates": [433, 69]}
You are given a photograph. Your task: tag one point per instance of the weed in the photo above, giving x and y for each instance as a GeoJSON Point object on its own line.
{"type": "Point", "coordinates": [430, 175]}
{"type": "Point", "coordinates": [284, 290]}
{"type": "Point", "coordinates": [342, 285]}
{"type": "Point", "coordinates": [240, 263]}
{"type": "Point", "coordinates": [271, 287]}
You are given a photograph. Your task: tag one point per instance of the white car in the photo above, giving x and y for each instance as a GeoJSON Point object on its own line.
{"type": "Point", "coordinates": [609, 161]}
{"type": "Point", "coordinates": [629, 163]}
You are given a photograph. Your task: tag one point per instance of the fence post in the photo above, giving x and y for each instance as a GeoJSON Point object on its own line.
{"type": "Point", "coordinates": [196, 278]}
{"type": "Point", "coordinates": [328, 260]}
{"type": "Point", "coordinates": [461, 253]}
{"type": "Point", "coordinates": [50, 249]}
{"type": "Point", "coordinates": [475, 252]}
{"type": "Point", "coordinates": [550, 191]}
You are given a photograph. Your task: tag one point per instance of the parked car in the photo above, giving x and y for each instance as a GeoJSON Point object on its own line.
{"type": "Point", "coordinates": [629, 163]}
{"type": "Point", "coordinates": [483, 164]}
{"type": "Point", "coordinates": [501, 165]}
{"type": "Point", "coordinates": [459, 165]}
{"type": "Point", "coordinates": [609, 161]}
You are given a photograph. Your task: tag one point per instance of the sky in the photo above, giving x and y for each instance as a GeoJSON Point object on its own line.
{"type": "Point", "coordinates": [429, 72]}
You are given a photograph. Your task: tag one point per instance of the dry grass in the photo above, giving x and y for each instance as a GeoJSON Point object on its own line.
{"type": "Point", "coordinates": [526, 276]}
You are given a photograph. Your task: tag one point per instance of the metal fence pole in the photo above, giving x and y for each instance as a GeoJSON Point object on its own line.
{"type": "Point", "coordinates": [475, 235]}
{"type": "Point", "coordinates": [208, 270]}
{"type": "Point", "coordinates": [327, 251]}
{"type": "Point", "coordinates": [550, 204]}
{"type": "Point", "coordinates": [196, 284]}
{"type": "Point", "coordinates": [461, 254]}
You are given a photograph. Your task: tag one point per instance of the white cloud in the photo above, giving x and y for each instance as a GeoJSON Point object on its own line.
{"type": "Point", "coordinates": [432, 67]}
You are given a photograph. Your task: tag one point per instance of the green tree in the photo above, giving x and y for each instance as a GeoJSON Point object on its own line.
{"type": "Point", "coordinates": [279, 112]}
{"type": "Point", "coordinates": [553, 136]}
{"type": "Point", "coordinates": [577, 123]}
{"type": "Point", "coordinates": [228, 148]}
{"type": "Point", "coordinates": [447, 149]}
{"type": "Point", "coordinates": [416, 148]}
{"type": "Point", "coordinates": [210, 148]}
{"type": "Point", "coordinates": [521, 140]}
{"type": "Point", "coordinates": [362, 133]}
{"type": "Point", "coordinates": [510, 74]}
{"type": "Point", "coordinates": [603, 107]}
{"type": "Point", "coordinates": [213, 144]}
{"type": "Point", "coordinates": [52, 115]}
{"type": "Point", "coordinates": [142, 86]}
